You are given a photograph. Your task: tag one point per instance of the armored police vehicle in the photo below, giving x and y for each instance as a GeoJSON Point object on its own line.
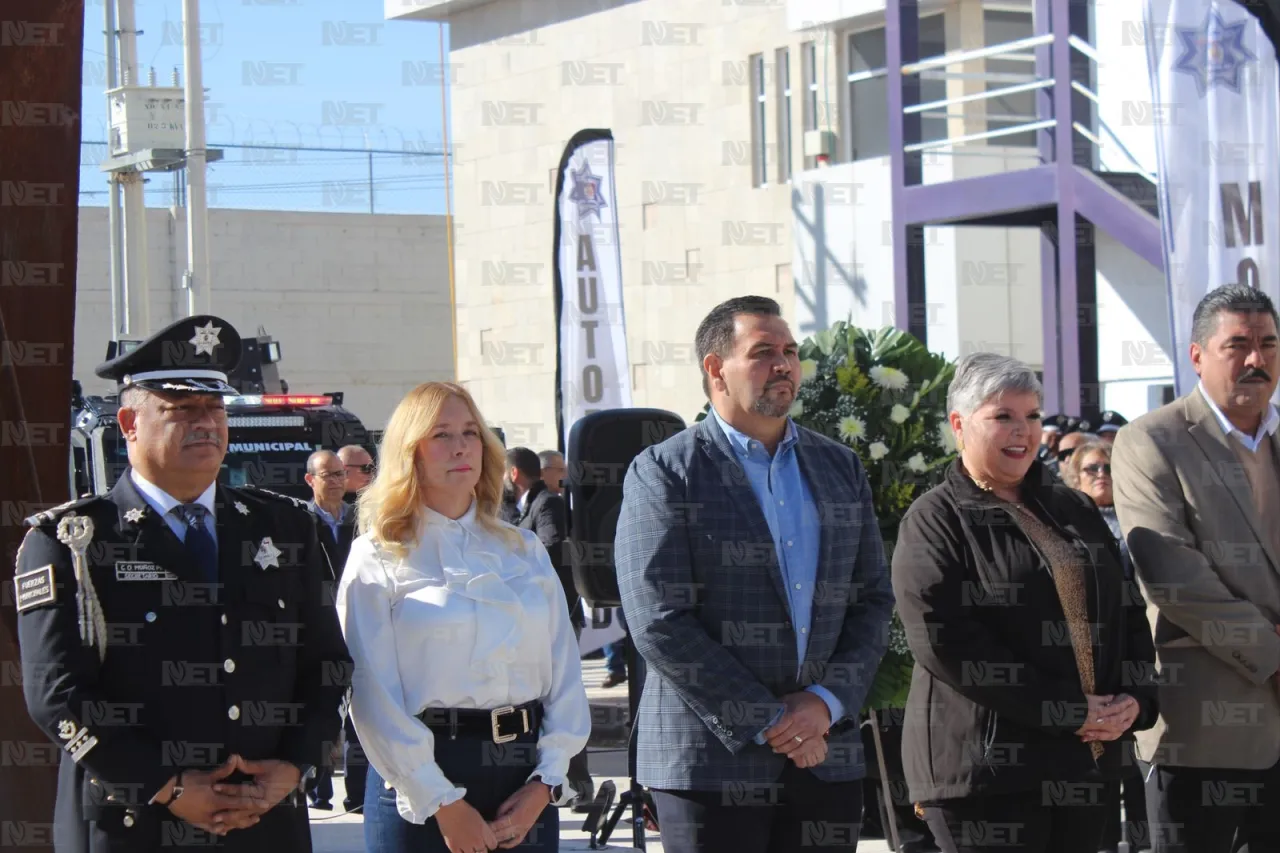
{"type": "Point", "coordinates": [271, 430]}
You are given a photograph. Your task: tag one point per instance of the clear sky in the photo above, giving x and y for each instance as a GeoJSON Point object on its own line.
{"type": "Point", "coordinates": [309, 73]}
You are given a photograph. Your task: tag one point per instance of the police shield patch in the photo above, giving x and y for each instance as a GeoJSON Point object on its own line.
{"type": "Point", "coordinates": [35, 588]}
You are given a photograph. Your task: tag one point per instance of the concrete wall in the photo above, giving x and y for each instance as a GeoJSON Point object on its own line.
{"type": "Point", "coordinates": [1124, 85]}
{"type": "Point", "coordinates": [359, 303]}
{"type": "Point", "coordinates": [1135, 344]}
{"type": "Point", "coordinates": [1134, 337]}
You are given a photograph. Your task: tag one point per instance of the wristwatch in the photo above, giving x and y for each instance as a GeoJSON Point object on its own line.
{"type": "Point", "coordinates": [177, 790]}
{"type": "Point", "coordinates": [306, 772]}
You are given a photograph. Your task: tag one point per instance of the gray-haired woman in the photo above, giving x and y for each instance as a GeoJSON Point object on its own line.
{"type": "Point", "coordinates": [1032, 658]}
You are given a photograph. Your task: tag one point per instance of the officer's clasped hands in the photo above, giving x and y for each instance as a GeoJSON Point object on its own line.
{"type": "Point", "coordinates": [199, 804]}
{"type": "Point", "coordinates": [273, 781]}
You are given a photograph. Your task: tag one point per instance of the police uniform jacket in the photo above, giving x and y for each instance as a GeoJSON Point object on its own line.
{"type": "Point", "coordinates": [191, 671]}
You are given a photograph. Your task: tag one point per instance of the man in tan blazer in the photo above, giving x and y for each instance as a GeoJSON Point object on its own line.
{"type": "Point", "coordinates": [1197, 491]}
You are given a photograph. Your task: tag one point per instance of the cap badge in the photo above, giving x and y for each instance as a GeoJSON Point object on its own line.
{"type": "Point", "coordinates": [206, 338]}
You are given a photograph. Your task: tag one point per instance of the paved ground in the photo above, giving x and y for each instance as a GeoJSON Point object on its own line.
{"type": "Point", "coordinates": [335, 832]}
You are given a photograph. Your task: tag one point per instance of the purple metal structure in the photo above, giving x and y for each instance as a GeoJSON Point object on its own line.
{"type": "Point", "coordinates": [1063, 196]}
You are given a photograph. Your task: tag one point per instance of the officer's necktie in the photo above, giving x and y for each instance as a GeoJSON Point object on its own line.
{"type": "Point", "coordinates": [200, 544]}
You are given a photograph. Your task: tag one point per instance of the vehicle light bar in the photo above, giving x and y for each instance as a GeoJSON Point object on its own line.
{"type": "Point", "coordinates": [277, 421]}
{"type": "Point", "coordinates": [296, 400]}
{"type": "Point", "coordinates": [300, 400]}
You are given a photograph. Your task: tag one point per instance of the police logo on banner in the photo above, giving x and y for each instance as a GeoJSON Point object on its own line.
{"type": "Point", "coordinates": [1214, 53]}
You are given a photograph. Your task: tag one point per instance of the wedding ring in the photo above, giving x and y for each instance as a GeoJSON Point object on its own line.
{"type": "Point", "coordinates": [799, 739]}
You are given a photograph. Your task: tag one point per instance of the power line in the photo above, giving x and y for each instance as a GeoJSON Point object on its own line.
{"type": "Point", "coordinates": [361, 151]}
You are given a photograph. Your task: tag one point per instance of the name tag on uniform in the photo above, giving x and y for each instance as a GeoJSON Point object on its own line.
{"type": "Point", "coordinates": [35, 588]}
{"type": "Point", "coordinates": [130, 571]}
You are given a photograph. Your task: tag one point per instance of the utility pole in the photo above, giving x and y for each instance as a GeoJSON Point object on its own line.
{"type": "Point", "coordinates": [119, 314]}
{"type": "Point", "coordinates": [137, 290]}
{"type": "Point", "coordinates": [199, 297]}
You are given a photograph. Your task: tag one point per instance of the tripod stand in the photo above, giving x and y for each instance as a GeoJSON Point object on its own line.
{"type": "Point", "coordinates": [635, 797]}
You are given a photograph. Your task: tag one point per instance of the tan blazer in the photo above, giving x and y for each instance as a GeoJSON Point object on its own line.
{"type": "Point", "coordinates": [1212, 584]}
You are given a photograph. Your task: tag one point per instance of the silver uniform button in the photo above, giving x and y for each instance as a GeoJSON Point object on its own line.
{"type": "Point", "coordinates": [280, 601]}
{"type": "Point", "coordinates": [224, 618]}
{"type": "Point", "coordinates": [233, 712]}
{"type": "Point", "coordinates": [128, 820]}
{"type": "Point", "coordinates": [150, 617]}
{"type": "Point", "coordinates": [229, 665]}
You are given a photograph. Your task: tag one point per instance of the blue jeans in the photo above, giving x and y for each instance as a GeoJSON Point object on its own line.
{"type": "Point", "coordinates": [615, 657]}
{"type": "Point", "coordinates": [490, 772]}
{"type": "Point", "coordinates": [615, 654]}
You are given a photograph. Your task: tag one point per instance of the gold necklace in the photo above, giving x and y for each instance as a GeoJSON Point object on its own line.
{"type": "Point", "coordinates": [987, 487]}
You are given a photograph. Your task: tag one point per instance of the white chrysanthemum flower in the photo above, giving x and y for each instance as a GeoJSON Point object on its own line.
{"type": "Point", "coordinates": [898, 639]}
{"type": "Point", "coordinates": [889, 378]}
{"type": "Point", "coordinates": [899, 413]}
{"type": "Point", "coordinates": [946, 438]}
{"type": "Point", "coordinates": [916, 463]}
{"type": "Point", "coordinates": [808, 369]}
{"type": "Point", "coordinates": [878, 450]}
{"type": "Point", "coordinates": [797, 409]}
{"type": "Point", "coordinates": [852, 429]}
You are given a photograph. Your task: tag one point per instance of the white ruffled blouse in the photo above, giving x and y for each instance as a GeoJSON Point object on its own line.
{"type": "Point", "coordinates": [463, 621]}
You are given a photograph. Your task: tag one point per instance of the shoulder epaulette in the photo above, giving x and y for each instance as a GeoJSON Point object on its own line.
{"type": "Point", "coordinates": [258, 490]}
{"type": "Point", "coordinates": [54, 513]}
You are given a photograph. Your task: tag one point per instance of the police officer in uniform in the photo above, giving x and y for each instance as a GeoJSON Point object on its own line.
{"type": "Point", "coordinates": [1051, 433]}
{"type": "Point", "coordinates": [1109, 424]}
{"type": "Point", "coordinates": [177, 642]}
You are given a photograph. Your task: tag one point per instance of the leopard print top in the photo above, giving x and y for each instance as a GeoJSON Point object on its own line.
{"type": "Point", "coordinates": [1069, 577]}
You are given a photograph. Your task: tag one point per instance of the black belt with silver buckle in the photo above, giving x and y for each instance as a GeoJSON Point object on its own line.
{"type": "Point", "coordinates": [500, 725]}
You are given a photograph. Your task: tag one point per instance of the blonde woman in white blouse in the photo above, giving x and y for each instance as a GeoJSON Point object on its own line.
{"type": "Point", "coordinates": [467, 692]}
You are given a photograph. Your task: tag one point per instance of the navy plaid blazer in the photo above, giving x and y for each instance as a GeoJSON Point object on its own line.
{"type": "Point", "coordinates": [706, 607]}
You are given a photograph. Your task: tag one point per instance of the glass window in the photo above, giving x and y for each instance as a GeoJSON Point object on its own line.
{"type": "Point", "coordinates": [1019, 108]}
{"type": "Point", "coordinates": [868, 95]}
{"type": "Point", "coordinates": [782, 77]}
{"type": "Point", "coordinates": [759, 149]}
{"type": "Point", "coordinates": [811, 86]}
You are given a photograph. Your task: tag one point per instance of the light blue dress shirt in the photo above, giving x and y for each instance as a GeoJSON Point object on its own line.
{"type": "Point", "coordinates": [795, 525]}
{"type": "Point", "coordinates": [329, 519]}
{"type": "Point", "coordinates": [163, 503]}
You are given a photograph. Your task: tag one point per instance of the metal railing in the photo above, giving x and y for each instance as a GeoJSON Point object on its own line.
{"type": "Point", "coordinates": [1019, 84]}
{"type": "Point", "coordinates": [1102, 137]}
{"type": "Point", "coordinates": [1111, 140]}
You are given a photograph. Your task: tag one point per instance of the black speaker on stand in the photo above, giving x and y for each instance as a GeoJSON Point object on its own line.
{"type": "Point", "coordinates": [600, 449]}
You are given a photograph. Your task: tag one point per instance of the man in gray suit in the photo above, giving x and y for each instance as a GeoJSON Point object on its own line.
{"type": "Point", "coordinates": [1197, 492]}
{"type": "Point", "coordinates": [754, 584]}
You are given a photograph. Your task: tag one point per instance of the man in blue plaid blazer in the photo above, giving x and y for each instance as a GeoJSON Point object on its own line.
{"type": "Point", "coordinates": [754, 583]}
